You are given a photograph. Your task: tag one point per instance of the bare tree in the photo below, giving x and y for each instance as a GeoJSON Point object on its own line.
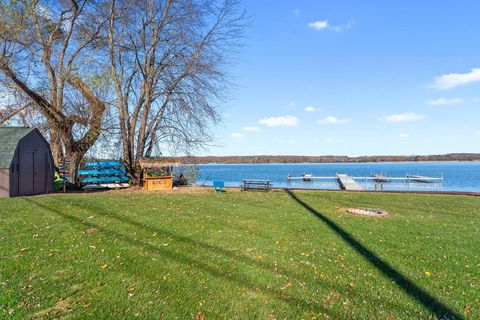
{"type": "Point", "coordinates": [49, 56]}
{"type": "Point", "coordinates": [168, 64]}
{"type": "Point", "coordinates": [163, 62]}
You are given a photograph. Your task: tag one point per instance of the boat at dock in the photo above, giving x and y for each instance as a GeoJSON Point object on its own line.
{"type": "Point", "coordinates": [307, 177]}
{"type": "Point", "coordinates": [379, 177]}
{"type": "Point", "coordinates": [423, 179]}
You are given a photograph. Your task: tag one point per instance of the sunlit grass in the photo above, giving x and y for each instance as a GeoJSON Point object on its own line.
{"type": "Point", "coordinates": [237, 255]}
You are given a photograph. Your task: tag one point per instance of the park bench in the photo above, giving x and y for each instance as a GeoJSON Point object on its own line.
{"type": "Point", "coordinates": [254, 184]}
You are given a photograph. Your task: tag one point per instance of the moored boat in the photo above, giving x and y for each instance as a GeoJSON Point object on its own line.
{"type": "Point", "coordinates": [307, 177]}
{"type": "Point", "coordinates": [422, 179]}
{"type": "Point", "coordinates": [379, 177]}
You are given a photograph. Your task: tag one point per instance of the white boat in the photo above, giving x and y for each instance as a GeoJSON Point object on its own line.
{"type": "Point", "coordinates": [422, 179]}
{"type": "Point", "coordinates": [379, 177]}
{"type": "Point", "coordinates": [307, 177]}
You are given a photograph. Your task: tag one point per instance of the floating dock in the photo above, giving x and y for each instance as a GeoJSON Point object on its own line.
{"type": "Point", "coordinates": [347, 183]}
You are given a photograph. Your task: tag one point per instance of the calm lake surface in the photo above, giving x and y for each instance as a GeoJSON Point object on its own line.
{"type": "Point", "coordinates": [458, 176]}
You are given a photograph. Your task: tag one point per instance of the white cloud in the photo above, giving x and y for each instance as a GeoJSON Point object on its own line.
{"type": "Point", "coordinates": [402, 117]}
{"type": "Point", "coordinates": [403, 135]}
{"type": "Point", "coordinates": [323, 25]}
{"type": "Point", "coordinates": [478, 133]}
{"type": "Point", "coordinates": [296, 12]}
{"type": "Point", "coordinates": [333, 120]}
{"type": "Point", "coordinates": [452, 80]}
{"type": "Point", "coordinates": [291, 141]}
{"type": "Point", "coordinates": [293, 103]}
{"type": "Point", "coordinates": [312, 109]}
{"type": "Point", "coordinates": [319, 25]}
{"type": "Point", "coordinates": [283, 121]}
{"type": "Point", "coordinates": [328, 140]}
{"type": "Point", "coordinates": [251, 129]}
{"type": "Point", "coordinates": [444, 101]}
{"type": "Point", "coordinates": [237, 135]}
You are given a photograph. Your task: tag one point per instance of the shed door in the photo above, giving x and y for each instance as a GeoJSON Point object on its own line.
{"type": "Point", "coordinates": [25, 174]}
{"type": "Point", "coordinates": [40, 168]}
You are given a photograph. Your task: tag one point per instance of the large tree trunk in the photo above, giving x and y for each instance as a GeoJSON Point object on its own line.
{"type": "Point", "coordinates": [75, 161]}
{"type": "Point", "coordinates": [56, 145]}
{"type": "Point", "coordinates": [129, 161]}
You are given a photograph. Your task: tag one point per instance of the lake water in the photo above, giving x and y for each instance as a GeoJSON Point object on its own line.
{"type": "Point", "coordinates": [458, 176]}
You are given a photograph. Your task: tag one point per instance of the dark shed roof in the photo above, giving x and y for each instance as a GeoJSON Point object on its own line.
{"type": "Point", "coordinates": [9, 137]}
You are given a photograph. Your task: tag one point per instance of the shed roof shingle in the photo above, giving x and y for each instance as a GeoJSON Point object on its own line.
{"type": "Point", "coordinates": [9, 137]}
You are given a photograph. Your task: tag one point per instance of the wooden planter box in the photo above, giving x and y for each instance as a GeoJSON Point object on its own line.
{"type": "Point", "coordinates": [158, 183]}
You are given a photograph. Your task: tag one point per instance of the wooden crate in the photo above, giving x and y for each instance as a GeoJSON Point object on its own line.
{"type": "Point", "coordinates": [158, 183]}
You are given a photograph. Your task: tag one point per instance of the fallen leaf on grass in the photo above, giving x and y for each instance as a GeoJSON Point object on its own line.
{"type": "Point", "coordinates": [90, 230]}
{"type": "Point", "coordinates": [428, 273]}
{"type": "Point", "coordinates": [105, 266]}
{"type": "Point", "coordinates": [332, 298]}
{"type": "Point", "coordinates": [289, 284]}
{"type": "Point", "coordinates": [56, 311]}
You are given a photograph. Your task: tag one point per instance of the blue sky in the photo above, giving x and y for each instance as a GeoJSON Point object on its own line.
{"type": "Point", "coordinates": [355, 78]}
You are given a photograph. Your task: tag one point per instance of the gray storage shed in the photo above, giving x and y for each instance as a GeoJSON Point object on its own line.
{"type": "Point", "coordinates": [26, 162]}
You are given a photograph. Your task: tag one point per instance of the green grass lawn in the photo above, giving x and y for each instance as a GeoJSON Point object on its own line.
{"type": "Point", "coordinates": [239, 255]}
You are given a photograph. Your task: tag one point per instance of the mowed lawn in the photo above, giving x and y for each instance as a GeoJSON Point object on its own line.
{"type": "Point", "coordinates": [239, 255]}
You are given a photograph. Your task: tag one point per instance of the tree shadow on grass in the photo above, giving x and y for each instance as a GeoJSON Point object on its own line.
{"type": "Point", "coordinates": [101, 210]}
{"type": "Point", "coordinates": [166, 233]}
{"type": "Point", "coordinates": [439, 309]}
{"type": "Point", "coordinates": [239, 280]}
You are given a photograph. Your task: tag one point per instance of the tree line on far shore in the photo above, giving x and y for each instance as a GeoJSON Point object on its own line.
{"type": "Point", "coordinates": [327, 159]}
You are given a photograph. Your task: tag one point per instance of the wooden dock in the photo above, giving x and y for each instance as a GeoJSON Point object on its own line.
{"type": "Point", "coordinates": [347, 183]}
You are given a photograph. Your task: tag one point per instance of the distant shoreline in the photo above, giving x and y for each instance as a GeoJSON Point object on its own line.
{"type": "Point", "coordinates": [265, 159]}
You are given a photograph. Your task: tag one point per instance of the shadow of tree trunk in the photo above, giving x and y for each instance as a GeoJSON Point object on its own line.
{"type": "Point", "coordinates": [438, 308]}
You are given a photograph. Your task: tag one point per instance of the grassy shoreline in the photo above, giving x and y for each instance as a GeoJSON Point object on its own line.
{"type": "Point", "coordinates": [239, 255]}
